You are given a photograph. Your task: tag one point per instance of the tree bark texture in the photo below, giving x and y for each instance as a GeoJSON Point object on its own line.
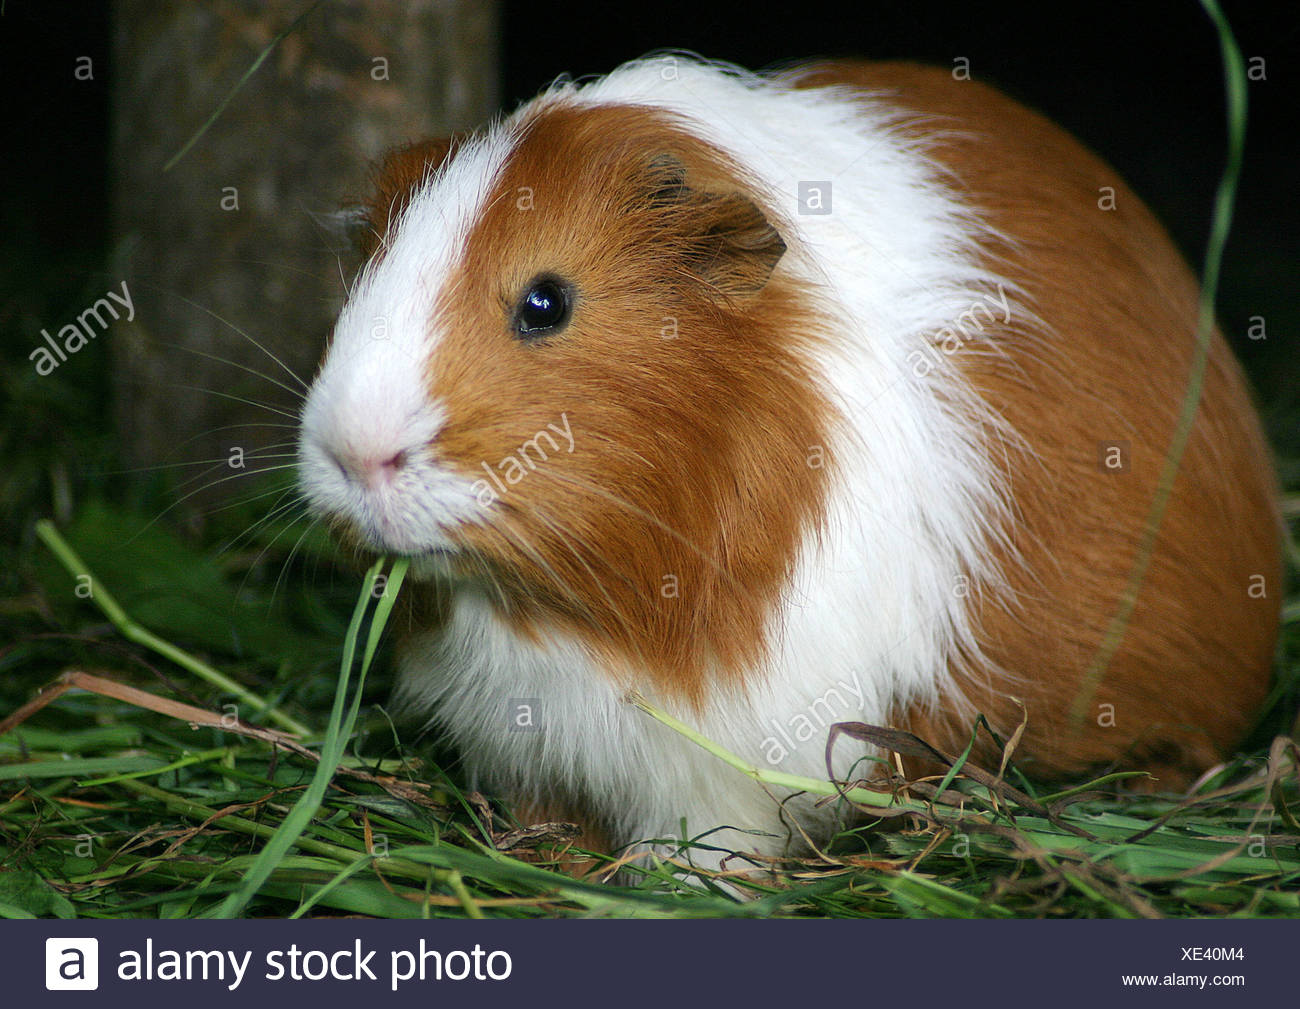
{"type": "Point", "coordinates": [236, 235]}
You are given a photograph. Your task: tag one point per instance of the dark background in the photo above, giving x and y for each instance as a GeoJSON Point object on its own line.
{"type": "Point", "coordinates": [1140, 83]}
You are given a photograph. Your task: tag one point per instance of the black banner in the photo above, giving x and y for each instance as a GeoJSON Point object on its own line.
{"type": "Point", "coordinates": [647, 963]}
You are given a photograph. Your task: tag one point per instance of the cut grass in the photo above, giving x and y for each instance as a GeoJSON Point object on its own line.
{"type": "Point", "coordinates": [110, 809]}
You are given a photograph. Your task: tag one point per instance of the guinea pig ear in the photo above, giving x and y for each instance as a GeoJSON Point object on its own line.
{"type": "Point", "coordinates": [396, 177]}
{"type": "Point", "coordinates": [344, 227]}
{"type": "Point", "coordinates": [740, 246]}
{"type": "Point", "coordinates": [731, 245]}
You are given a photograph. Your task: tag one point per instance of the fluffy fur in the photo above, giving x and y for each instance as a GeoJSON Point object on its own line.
{"type": "Point", "coordinates": [806, 463]}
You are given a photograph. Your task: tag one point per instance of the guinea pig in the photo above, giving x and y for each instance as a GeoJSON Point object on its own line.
{"type": "Point", "coordinates": [835, 394]}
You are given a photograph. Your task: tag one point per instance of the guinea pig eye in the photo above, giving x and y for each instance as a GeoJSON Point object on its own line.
{"type": "Point", "coordinates": [544, 309]}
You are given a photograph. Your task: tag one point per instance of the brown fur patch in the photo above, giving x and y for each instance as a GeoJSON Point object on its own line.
{"type": "Point", "coordinates": [665, 536]}
{"type": "Point", "coordinates": [1194, 665]}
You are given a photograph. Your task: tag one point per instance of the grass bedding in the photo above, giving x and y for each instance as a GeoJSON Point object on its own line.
{"type": "Point", "coordinates": [192, 800]}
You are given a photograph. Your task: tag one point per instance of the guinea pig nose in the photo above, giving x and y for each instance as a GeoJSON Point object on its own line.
{"type": "Point", "coordinates": [370, 470]}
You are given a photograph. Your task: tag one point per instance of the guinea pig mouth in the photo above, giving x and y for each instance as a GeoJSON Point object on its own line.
{"type": "Point", "coordinates": [439, 563]}
{"type": "Point", "coordinates": [366, 537]}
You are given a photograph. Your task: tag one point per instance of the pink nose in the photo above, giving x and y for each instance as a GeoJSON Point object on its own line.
{"type": "Point", "coordinates": [371, 471]}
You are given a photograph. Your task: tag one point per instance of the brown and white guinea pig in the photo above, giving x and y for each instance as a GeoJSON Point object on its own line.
{"type": "Point", "coordinates": [835, 395]}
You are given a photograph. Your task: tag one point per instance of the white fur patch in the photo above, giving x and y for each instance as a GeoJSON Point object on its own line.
{"type": "Point", "coordinates": [371, 397]}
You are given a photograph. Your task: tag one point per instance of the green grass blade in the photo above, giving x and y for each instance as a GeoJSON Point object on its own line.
{"type": "Point", "coordinates": [261, 58]}
{"type": "Point", "coordinates": [132, 631]}
{"type": "Point", "coordinates": [343, 875]}
{"type": "Point", "coordinates": [80, 767]}
{"type": "Point", "coordinates": [331, 750]}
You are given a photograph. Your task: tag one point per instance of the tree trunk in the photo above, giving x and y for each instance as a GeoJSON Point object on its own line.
{"type": "Point", "coordinates": [236, 235]}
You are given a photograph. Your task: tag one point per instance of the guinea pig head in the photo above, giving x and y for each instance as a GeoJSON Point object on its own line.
{"type": "Point", "coordinates": [574, 372]}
